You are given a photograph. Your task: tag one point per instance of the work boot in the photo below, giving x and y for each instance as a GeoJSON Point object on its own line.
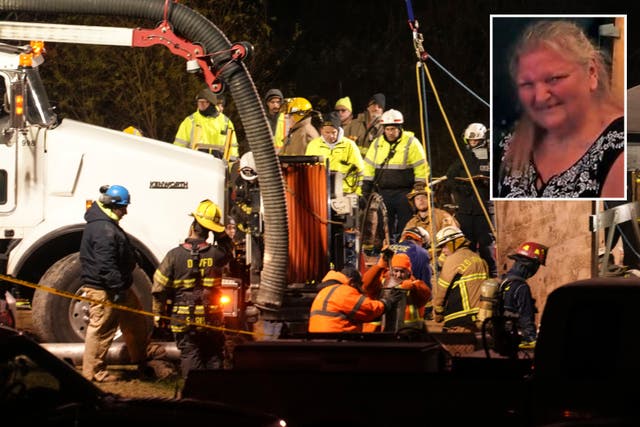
{"type": "Point", "coordinates": [156, 351]}
{"type": "Point", "coordinates": [161, 369]}
{"type": "Point", "coordinates": [105, 377]}
{"type": "Point", "coordinates": [146, 372]}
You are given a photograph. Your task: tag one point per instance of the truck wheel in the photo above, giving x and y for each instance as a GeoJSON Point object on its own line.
{"type": "Point", "coordinates": [59, 319]}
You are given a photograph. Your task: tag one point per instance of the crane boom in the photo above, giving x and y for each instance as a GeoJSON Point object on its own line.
{"type": "Point", "coordinates": [62, 33]}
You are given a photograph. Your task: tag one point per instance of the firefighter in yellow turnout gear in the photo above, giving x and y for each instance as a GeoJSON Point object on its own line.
{"type": "Point", "coordinates": [456, 300]}
{"type": "Point", "coordinates": [190, 277]}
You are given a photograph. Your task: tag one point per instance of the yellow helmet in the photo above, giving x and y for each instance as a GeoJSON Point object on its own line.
{"type": "Point", "coordinates": [297, 108]}
{"type": "Point", "coordinates": [132, 130]}
{"type": "Point", "coordinates": [209, 215]}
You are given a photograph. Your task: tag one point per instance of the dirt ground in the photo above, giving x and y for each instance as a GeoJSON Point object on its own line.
{"type": "Point", "coordinates": [129, 385]}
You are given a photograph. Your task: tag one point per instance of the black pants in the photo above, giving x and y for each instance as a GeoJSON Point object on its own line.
{"type": "Point", "coordinates": [200, 349]}
{"type": "Point", "coordinates": [630, 244]}
{"type": "Point", "coordinates": [399, 210]}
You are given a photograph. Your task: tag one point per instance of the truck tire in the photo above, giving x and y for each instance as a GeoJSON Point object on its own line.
{"type": "Point", "coordinates": [58, 319]}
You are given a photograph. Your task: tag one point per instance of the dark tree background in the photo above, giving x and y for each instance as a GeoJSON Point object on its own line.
{"type": "Point", "coordinates": [318, 49]}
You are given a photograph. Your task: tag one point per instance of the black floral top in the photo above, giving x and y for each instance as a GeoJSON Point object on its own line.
{"type": "Point", "coordinates": [583, 179]}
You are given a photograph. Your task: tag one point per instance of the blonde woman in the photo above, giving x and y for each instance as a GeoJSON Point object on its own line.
{"type": "Point", "coordinates": [569, 141]}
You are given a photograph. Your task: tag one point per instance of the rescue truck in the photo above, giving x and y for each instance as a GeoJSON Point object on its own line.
{"type": "Point", "coordinates": [52, 168]}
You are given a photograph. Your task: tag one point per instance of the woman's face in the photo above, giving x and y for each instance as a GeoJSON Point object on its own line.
{"type": "Point", "coordinates": [555, 92]}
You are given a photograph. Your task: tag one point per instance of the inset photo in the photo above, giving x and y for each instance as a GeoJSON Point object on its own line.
{"type": "Point", "coordinates": [558, 98]}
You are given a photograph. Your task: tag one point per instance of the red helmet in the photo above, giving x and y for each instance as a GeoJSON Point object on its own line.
{"type": "Point", "coordinates": [531, 250]}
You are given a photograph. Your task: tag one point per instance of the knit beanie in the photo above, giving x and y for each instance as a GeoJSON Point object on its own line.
{"type": "Point", "coordinates": [344, 102]}
{"type": "Point", "coordinates": [332, 119]}
{"type": "Point", "coordinates": [401, 261]}
{"type": "Point", "coordinates": [208, 95]}
{"type": "Point", "coordinates": [379, 99]}
{"type": "Point", "coordinates": [273, 93]}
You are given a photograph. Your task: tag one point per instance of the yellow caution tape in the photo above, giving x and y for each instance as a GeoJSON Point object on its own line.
{"type": "Point", "coordinates": [118, 306]}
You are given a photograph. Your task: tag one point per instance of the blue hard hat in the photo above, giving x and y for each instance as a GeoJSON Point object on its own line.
{"type": "Point", "coordinates": [117, 195]}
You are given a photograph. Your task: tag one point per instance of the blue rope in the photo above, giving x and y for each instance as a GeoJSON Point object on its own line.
{"type": "Point", "coordinates": [459, 82]}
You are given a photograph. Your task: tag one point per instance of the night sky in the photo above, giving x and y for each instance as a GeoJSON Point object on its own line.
{"type": "Point", "coordinates": [357, 48]}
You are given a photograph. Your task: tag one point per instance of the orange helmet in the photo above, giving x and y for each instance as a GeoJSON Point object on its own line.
{"type": "Point", "coordinates": [531, 250]}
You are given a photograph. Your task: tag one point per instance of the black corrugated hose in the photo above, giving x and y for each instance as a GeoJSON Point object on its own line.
{"type": "Point", "coordinates": [196, 28]}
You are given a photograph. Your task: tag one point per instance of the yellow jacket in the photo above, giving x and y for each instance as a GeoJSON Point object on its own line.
{"type": "Point", "coordinates": [403, 169]}
{"type": "Point", "coordinates": [344, 157]}
{"type": "Point", "coordinates": [197, 132]}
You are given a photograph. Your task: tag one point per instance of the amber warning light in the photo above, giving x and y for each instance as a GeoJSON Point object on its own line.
{"type": "Point", "coordinates": [230, 295]}
{"type": "Point", "coordinates": [19, 105]}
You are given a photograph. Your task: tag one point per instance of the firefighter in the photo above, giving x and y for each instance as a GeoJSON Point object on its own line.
{"type": "Point", "coordinates": [208, 129]}
{"type": "Point", "coordinates": [298, 118]}
{"type": "Point", "coordinates": [247, 211]}
{"type": "Point", "coordinates": [456, 298]}
{"type": "Point", "coordinates": [190, 277]}
{"type": "Point", "coordinates": [343, 154]}
{"type": "Point", "coordinates": [418, 199]}
{"type": "Point", "coordinates": [340, 305]}
{"type": "Point", "coordinates": [515, 293]}
{"type": "Point", "coordinates": [378, 279]}
{"type": "Point", "coordinates": [469, 213]}
{"type": "Point", "coordinates": [395, 163]}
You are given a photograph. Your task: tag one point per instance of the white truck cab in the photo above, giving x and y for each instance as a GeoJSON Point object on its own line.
{"type": "Point", "coordinates": [50, 171]}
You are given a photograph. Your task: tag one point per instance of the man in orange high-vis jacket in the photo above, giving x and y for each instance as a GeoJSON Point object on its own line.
{"type": "Point", "coordinates": [379, 277]}
{"type": "Point", "coordinates": [340, 306]}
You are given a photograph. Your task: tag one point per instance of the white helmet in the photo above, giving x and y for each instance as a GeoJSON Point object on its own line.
{"type": "Point", "coordinates": [248, 167]}
{"type": "Point", "coordinates": [448, 234]}
{"type": "Point", "coordinates": [418, 234]}
{"type": "Point", "coordinates": [391, 117]}
{"type": "Point", "coordinates": [475, 131]}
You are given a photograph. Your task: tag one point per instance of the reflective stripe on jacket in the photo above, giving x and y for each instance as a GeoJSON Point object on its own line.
{"type": "Point", "coordinates": [339, 307]}
{"type": "Point", "coordinates": [457, 294]}
{"type": "Point", "coordinates": [343, 156]}
{"type": "Point", "coordinates": [407, 166]}
{"type": "Point", "coordinates": [191, 279]}
{"type": "Point", "coordinates": [201, 131]}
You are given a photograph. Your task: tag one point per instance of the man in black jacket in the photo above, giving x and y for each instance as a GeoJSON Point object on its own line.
{"type": "Point", "coordinates": [470, 213]}
{"type": "Point", "coordinates": [108, 260]}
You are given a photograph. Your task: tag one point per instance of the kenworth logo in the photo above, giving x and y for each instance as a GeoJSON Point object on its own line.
{"type": "Point", "coordinates": [181, 185]}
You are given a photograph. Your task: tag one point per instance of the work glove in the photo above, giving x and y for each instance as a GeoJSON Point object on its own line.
{"type": "Point", "coordinates": [161, 330]}
{"type": "Point", "coordinates": [119, 297]}
{"type": "Point", "coordinates": [393, 297]}
{"type": "Point", "coordinates": [438, 314]}
{"type": "Point", "coordinates": [382, 262]}
{"type": "Point", "coordinates": [386, 254]}
{"type": "Point", "coordinates": [362, 202]}
{"type": "Point", "coordinates": [367, 188]}
{"type": "Point", "coordinates": [223, 241]}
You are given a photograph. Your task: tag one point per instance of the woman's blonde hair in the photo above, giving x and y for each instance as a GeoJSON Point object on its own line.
{"type": "Point", "coordinates": [569, 39]}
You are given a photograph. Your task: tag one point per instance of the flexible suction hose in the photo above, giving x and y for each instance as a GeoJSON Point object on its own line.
{"type": "Point", "coordinates": [196, 28]}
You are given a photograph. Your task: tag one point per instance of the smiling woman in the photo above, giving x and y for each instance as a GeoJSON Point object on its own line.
{"type": "Point", "coordinates": [569, 139]}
